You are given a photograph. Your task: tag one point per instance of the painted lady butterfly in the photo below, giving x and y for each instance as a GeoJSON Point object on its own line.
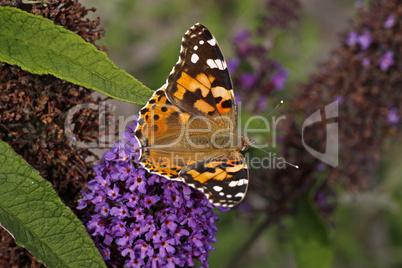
{"type": "Point", "coordinates": [187, 129]}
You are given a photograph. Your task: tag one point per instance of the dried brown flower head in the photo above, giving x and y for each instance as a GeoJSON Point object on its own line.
{"type": "Point", "coordinates": [32, 115]}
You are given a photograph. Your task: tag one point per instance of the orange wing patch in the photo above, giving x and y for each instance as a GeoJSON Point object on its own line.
{"type": "Point", "coordinates": [187, 83]}
{"type": "Point", "coordinates": [224, 97]}
{"type": "Point", "coordinates": [164, 163]}
{"type": "Point", "coordinates": [203, 106]}
{"type": "Point", "coordinates": [158, 117]}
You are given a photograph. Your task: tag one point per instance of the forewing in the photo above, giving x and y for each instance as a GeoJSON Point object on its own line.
{"type": "Point", "coordinates": [200, 82]}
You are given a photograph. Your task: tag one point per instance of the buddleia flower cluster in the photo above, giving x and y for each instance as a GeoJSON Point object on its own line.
{"type": "Point", "coordinates": [363, 77]}
{"type": "Point", "coordinates": [256, 75]}
{"type": "Point", "coordinates": [139, 219]}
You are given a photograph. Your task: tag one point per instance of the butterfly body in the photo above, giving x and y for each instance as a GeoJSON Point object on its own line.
{"type": "Point", "coordinates": [187, 130]}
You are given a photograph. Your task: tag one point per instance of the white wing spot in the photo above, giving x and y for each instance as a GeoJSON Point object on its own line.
{"type": "Point", "coordinates": [194, 58]}
{"type": "Point", "coordinates": [216, 64]}
{"type": "Point", "coordinates": [221, 194]}
{"type": "Point", "coordinates": [212, 42]}
{"type": "Point", "coordinates": [211, 63]}
{"type": "Point", "coordinates": [239, 195]}
{"type": "Point", "coordinates": [201, 42]}
{"type": "Point", "coordinates": [220, 64]}
{"type": "Point", "coordinates": [229, 196]}
{"type": "Point", "coordinates": [224, 64]}
{"type": "Point", "coordinates": [217, 188]}
{"type": "Point", "coordinates": [233, 184]}
{"type": "Point", "coordinates": [195, 47]}
{"type": "Point", "coordinates": [181, 49]}
{"type": "Point", "coordinates": [241, 182]}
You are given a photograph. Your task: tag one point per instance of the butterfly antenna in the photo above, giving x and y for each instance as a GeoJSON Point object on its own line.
{"type": "Point", "coordinates": [279, 104]}
{"type": "Point", "coordinates": [279, 158]}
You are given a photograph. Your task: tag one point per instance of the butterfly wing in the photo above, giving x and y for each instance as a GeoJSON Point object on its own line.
{"type": "Point", "coordinates": [176, 125]}
{"type": "Point", "coordinates": [223, 178]}
{"type": "Point", "coordinates": [160, 131]}
{"type": "Point", "coordinates": [200, 82]}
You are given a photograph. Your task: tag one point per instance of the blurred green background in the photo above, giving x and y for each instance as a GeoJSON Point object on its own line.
{"type": "Point", "coordinates": [143, 38]}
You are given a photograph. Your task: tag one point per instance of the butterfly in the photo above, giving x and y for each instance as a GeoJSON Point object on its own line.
{"type": "Point", "coordinates": [187, 128]}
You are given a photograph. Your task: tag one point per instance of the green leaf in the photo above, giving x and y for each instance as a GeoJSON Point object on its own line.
{"type": "Point", "coordinates": [312, 239]}
{"type": "Point", "coordinates": [39, 46]}
{"type": "Point", "coordinates": [35, 216]}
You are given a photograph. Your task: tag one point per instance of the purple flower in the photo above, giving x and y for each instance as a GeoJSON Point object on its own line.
{"type": "Point", "coordinates": [145, 248]}
{"type": "Point", "coordinates": [103, 182]}
{"type": "Point", "coordinates": [390, 21]}
{"type": "Point", "coordinates": [138, 181]}
{"type": "Point", "coordinates": [99, 198]}
{"type": "Point", "coordinates": [365, 40]}
{"type": "Point", "coordinates": [155, 236]}
{"type": "Point", "coordinates": [145, 220]}
{"type": "Point", "coordinates": [109, 155]}
{"type": "Point", "coordinates": [113, 193]}
{"type": "Point", "coordinates": [108, 239]}
{"type": "Point", "coordinates": [321, 199]}
{"type": "Point", "coordinates": [155, 262]}
{"type": "Point", "coordinates": [196, 240]}
{"type": "Point", "coordinates": [393, 117]}
{"type": "Point", "coordinates": [169, 223]}
{"type": "Point", "coordinates": [179, 232]}
{"type": "Point", "coordinates": [172, 261]}
{"type": "Point", "coordinates": [138, 229]}
{"type": "Point", "coordinates": [128, 251]}
{"type": "Point", "coordinates": [135, 263]}
{"type": "Point", "coordinates": [359, 4]}
{"type": "Point", "coordinates": [149, 223]}
{"type": "Point", "coordinates": [320, 167]}
{"type": "Point", "coordinates": [248, 80]}
{"type": "Point", "coordinates": [96, 226]}
{"type": "Point", "coordinates": [338, 98]}
{"type": "Point", "coordinates": [278, 79]}
{"type": "Point", "coordinates": [119, 228]}
{"type": "Point", "coordinates": [233, 64]}
{"type": "Point", "coordinates": [131, 199]}
{"type": "Point", "coordinates": [365, 62]}
{"type": "Point", "coordinates": [149, 200]}
{"type": "Point", "coordinates": [105, 251]}
{"type": "Point", "coordinates": [126, 135]}
{"type": "Point", "coordinates": [120, 212]}
{"type": "Point", "coordinates": [241, 36]}
{"type": "Point", "coordinates": [166, 247]}
{"type": "Point", "coordinates": [105, 210]}
{"type": "Point", "coordinates": [124, 240]}
{"type": "Point", "coordinates": [138, 213]}
{"type": "Point", "coordinates": [386, 60]}
{"type": "Point", "coordinates": [352, 38]}
{"type": "Point", "coordinates": [86, 197]}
